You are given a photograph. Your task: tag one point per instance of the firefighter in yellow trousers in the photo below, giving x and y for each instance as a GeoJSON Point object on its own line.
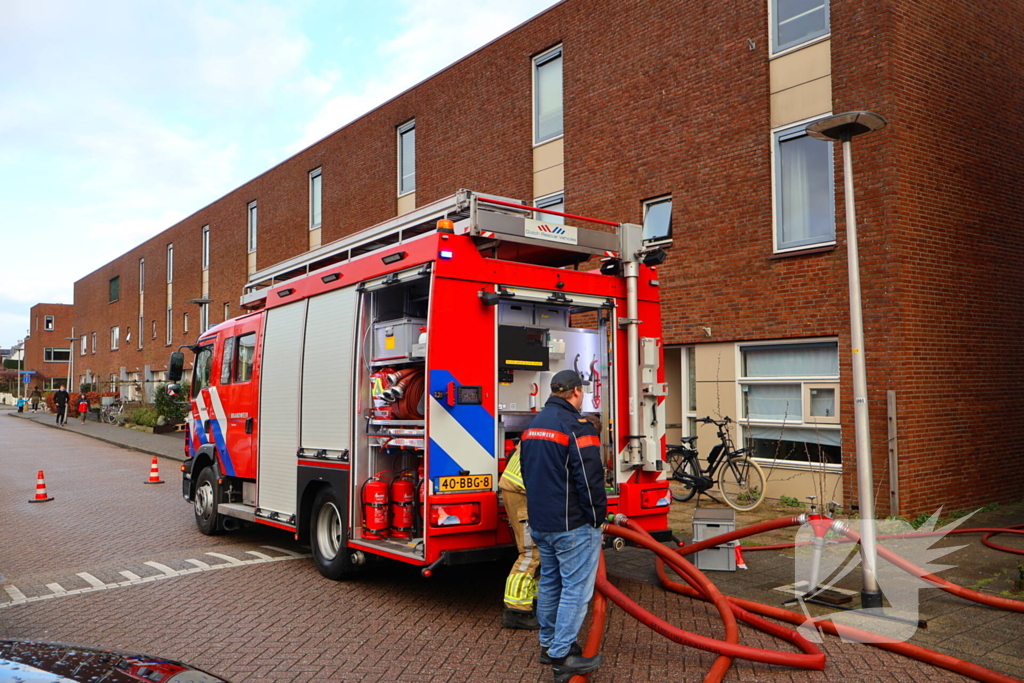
{"type": "Point", "coordinates": [521, 585]}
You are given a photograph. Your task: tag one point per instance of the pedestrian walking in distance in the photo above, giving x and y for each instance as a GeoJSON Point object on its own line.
{"type": "Point", "coordinates": [564, 475]}
{"type": "Point", "coordinates": [521, 585]}
{"type": "Point", "coordinates": [83, 407]}
{"type": "Point", "coordinates": [61, 400]}
{"type": "Point", "coordinates": [21, 405]}
{"type": "Point", "coordinates": [35, 398]}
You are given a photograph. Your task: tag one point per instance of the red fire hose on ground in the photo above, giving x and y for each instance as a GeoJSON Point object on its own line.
{"type": "Point", "coordinates": [751, 613]}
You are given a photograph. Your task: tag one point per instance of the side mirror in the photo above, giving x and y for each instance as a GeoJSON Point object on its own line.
{"type": "Point", "coordinates": [174, 390]}
{"type": "Point", "coordinates": [176, 368]}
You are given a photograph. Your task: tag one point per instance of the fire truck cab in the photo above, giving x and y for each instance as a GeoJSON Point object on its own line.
{"type": "Point", "coordinates": [369, 398]}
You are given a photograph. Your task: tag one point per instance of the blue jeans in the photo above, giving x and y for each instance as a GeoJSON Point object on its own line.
{"type": "Point", "coordinates": [568, 566]}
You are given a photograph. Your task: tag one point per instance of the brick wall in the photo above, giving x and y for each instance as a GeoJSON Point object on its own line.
{"type": "Point", "coordinates": [673, 98]}
{"type": "Point", "coordinates": [40, 339]}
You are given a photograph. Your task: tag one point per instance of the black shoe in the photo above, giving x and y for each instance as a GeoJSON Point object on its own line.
{"type": "Point", "coordinates": [526, 621]}
{"type": "Point", "coordinates": [574, 649]}
{"type": "Point", "coordinates": [566, 667]}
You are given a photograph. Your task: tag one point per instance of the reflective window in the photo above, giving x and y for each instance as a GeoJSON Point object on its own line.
{"type": "Point", "coordinates": [226, 361]}
{"type": "Point", "coordinates": [201, 371]}
{"type": "Point", "coordinates": [658, 219]}
{"type": "Point", "coordinates": [246, 357]}
{"type": "Point", "coordinates": [804, 201]}
{"type": "Point", "coordinates": [407, 158]}
{"type": "Point", "coordinates": [547, 95]}
{"type": "Point", "coordinates": [798, 21]}
{"type": "Point", "coordinates": [315, 200]}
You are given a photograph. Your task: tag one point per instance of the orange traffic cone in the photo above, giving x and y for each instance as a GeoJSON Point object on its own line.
{"type": "Point", "coordinates": [41, 496]}
{"type": "Point", "coordinates": [154, 473]}
{"type": "Point", "coordinates": [740, 564]}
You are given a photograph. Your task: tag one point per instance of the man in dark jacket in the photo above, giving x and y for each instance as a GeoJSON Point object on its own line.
{"type": "Point", "coordinates": [564, 474]}
{"type": "Point", "coordinates": [60, 400]}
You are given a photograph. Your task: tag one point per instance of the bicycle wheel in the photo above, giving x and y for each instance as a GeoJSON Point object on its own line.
{"type": "Point", "coordinates": [679, 464]}
{"type": "Point", "coordinates": [741, 483]}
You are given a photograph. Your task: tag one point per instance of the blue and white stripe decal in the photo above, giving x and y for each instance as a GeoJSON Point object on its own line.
{"type": "Point", "coordinates": [210, 408]}
{"type": "Point", "coordinates": [461, 436]}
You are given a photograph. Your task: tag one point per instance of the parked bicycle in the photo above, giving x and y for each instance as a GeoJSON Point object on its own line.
{"type": "Point", "coordinates": [113, 413]}
{"type": "Point", "coordinates": [740, 480]}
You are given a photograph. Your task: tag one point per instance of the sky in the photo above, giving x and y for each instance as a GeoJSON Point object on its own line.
{"type": "Point", "coordinates": [119, 118]}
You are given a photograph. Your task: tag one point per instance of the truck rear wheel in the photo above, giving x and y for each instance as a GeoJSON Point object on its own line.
{"type": "Point", "coordinates": [207, 495]}
{"type": "Point", "coordinates": [330, 549]}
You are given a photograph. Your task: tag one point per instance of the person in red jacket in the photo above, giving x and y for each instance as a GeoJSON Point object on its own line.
{"type": "Point", "coordinates": [83, 407]}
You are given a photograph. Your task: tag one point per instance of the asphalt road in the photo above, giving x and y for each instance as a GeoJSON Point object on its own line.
{"type": "Point", "coordinates": [114, 562]}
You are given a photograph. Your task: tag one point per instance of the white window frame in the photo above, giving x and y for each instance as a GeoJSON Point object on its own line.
{"type": "Point", "coordinates": [170, 263]}
{"type": "Point", "coordinates": [115, 337]}
{"type": "Point", "coordinates": [647, 205]}
{"type": "Point", "coordinates": [548, 201]}
{"type": "Point", "coordinates": [778, 136]}
{"type": "Point", "coordinates": [184, 322]}
{"type": "Point", "coordinates": [110, 282]}
{"type": "Point", "coordinates": [407, 127]}
{"type": "Point", "coordinates": [774, 51]}
{"type": "Point", "coordinates": [82, 344]}
{"type": "Point", "coordinates": [142, 276]}
{"type": "Point", "coordinates": [252, 212]}
{"type": "Point", "coordinates": [227, 312]}
{"type": "Point", "coordinates": [316, 199]}
{"type": "Point", "coordinates": [154, 329]}
{"type": "Point", "coordinates": [50, 351]}
{"type": "Point", "coordinates": [142, 326]}
{"type": "Point", "coordinates": [539, 61]}
{"type": "Point", "coordinates": [170, 325]}
{"type": "Point", "coordinates": [94, 342]}
{"type": "Point", "coordinates": [48, 323]}
{"type": "Point", "coordinates": [204, 317]}
{"type": "Point", "coordinates": [206, 247]}
{"type": "Point", "coordinates": [794, 421]}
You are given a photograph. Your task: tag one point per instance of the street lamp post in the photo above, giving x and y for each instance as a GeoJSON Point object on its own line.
{"type": "Point", "coordinates": [843, 128]}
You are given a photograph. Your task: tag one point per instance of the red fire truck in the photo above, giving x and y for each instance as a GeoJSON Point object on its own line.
{"type": "Point", "coordinates": [368, 399]}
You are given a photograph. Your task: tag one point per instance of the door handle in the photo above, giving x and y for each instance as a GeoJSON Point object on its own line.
{"type": "Point", "coordinates": [248, 426]}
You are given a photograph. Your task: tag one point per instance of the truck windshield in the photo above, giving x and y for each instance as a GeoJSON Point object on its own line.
{"type": "Point", "coordinates": [201, 372]}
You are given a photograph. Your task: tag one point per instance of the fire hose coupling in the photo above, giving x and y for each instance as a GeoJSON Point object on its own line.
{"type": "Point", "coordinates": [619, 519]}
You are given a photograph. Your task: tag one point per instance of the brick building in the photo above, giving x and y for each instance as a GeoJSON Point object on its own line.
{"type": "Point", "coordinates": [48, 345]}
{"type": "Point", "coordinates": [692, 121]}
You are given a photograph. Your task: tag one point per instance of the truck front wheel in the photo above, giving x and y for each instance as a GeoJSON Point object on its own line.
{"type": "Point", "coordinates": [207, 496]}
{"type": "Point", "coordinates": [330, 549]}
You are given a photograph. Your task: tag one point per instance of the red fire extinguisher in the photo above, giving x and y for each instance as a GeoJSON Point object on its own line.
{"type": "Point", "coordinates": [403, 492]}
{"type": "Point", "coordinates": [375, 507]}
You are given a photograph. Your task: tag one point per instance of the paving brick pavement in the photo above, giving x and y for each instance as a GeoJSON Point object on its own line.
{"type": "Point", "coordinates": [280, 621]}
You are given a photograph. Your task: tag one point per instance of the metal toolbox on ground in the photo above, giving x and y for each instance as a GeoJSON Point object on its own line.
{"type": "Point", "coordinates": [708, 523]}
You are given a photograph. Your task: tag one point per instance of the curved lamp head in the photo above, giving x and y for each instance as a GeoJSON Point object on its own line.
{"type": "Point", "coordinates": [201, 301]}
{"type": "Point", "coordinates": [846, 125]}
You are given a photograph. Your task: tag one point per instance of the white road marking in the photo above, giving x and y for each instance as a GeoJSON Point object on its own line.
{"type": "Point", "coordinates": [92, 580]}
{"type": "Point", "coordinates": [14, 593]}
{"type": "Point", "coordinates": [227, 558]}
{"type": "Point", "coordinates": [262, 556]}
{"type": "Point", "coordinates": [167, 571]}
{"type": "Point", "coordinates": [133, 579]}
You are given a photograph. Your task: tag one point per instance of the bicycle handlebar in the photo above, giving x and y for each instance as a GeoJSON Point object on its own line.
{"type": "Point", "coordinates": [710, 420]}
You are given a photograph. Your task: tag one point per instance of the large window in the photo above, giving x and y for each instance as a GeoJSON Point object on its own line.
{"type": "Point", "coordinates": [51, 355]}
{"type": "Point", "coordinates": [114, 289]}
{"type": "Point", "coordinates": [790, 399]}
{"type": "Point", "coordinates": [206, 247]}
{"type": "Point", "coordinates": [547, 95]}
{"type": "Point", "coordinates": [658, 219]}
{"type": "Point", "coordinates": [315, 199]}
{"type": "Point", "coordinates": [804, 197]}
{"type": "Point", "coordinates": [407, 158]}
{"type": "Point", "coordinates": [252, 226]}
{"type": "Point", "coordinates": [795, 22]}
{"type": "Point", "coordinates": [239, 356]}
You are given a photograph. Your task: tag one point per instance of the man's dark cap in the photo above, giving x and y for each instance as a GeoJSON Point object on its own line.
{"type": "Point", "coordinates": [564, 380]}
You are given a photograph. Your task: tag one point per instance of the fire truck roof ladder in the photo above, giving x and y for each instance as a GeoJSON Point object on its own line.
{"type": "Point", "coordinates": [495, 222]}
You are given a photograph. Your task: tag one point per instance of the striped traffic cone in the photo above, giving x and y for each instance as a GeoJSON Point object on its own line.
{"type": "Point", "coordinates": [41, 496]}
{"type": "Point", "coordinates": [740, 564]}
{"type": "Point", "coordinates": [154, 473]}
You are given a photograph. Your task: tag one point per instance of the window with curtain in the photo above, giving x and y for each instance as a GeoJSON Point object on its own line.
{"type": "Point", "coordinates": [804, 195]}
{"type": "Point", "coordinates": [790, 395]}
{"type": "Point", "coordinates": [795, 22]}
{"type": "Point", "coordinates": [547, 95]}
{"type": "Point", "coordinates": [407, 158]}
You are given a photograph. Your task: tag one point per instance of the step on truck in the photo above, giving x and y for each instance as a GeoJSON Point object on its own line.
{"type": "Point", "coordinates": [370, 395]}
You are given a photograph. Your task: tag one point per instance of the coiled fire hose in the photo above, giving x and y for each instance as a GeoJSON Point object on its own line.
{"type": "Point", "coordinates": [731, 609]}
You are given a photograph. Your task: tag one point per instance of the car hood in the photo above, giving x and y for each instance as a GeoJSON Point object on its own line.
{"type": "Point", "coordinates": [28, 661]}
